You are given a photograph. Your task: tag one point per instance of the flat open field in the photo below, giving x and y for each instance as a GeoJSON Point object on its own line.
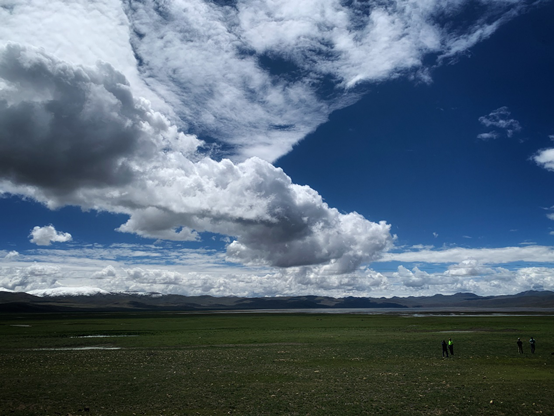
{"type": "Point", "coordinates": [273, 364]}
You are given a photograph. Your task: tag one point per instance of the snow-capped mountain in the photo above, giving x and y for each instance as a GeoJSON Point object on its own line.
{"type": "Point", "coordinates": [69, 291]}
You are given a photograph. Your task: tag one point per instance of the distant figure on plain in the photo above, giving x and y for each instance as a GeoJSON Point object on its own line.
{"type": "Point", "coordinates": [532, 342]}
{"type": "Point", "coordinates": [444, 350]}
{"type": "Point", "coordinates": [519, 346]}
{"type": "Point", "coordinates": [451, 346]}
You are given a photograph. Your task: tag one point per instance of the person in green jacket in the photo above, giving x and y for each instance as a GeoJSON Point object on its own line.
{"type": "Point", "coordinates": [451, 346]}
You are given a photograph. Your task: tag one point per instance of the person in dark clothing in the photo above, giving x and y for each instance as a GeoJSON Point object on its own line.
{"type": "Point", "coordinates": [519, 346]}
{"type": "Point", "coordinates": [532, 342]}
{"type": "Point", "coordinates": [451, 346]}
{"type": "Point", "coordinates": [444, 350]}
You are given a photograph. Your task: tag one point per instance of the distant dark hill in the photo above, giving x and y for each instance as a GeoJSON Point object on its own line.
{"type": "Point", "coordinates": [11, 302]}
{"type": "Point", "coordinates": [352, 302]}
{"type": "Point", "coordinates": [532, 299]}
{"type": "Point", "coordinates": [458, 299]}
{"type": "Point", "coordinates": [17, 297]}
{"type": "Point", "coordinates": [24, 307]}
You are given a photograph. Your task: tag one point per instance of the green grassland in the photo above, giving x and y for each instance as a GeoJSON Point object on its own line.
{"type": "Point", "coordinates": [273, 364]}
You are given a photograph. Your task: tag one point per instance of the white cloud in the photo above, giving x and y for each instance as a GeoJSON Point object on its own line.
{"type": "Point", "coordinates": [499, 118]}
{"type": "Point", "coordinates": [422, 247]}
{"type": "Point", "coordinates": [467, 268]}
{"type": "Point", "coordinates": [68, 291]}
{"type": "Point", "coordinates": [545, 159]}
{"type": "Point", "coordinates": [469, 276]}
{"type": "Point", "coordinates": [414, 278]}
{"type": "Point", "coordinates": [80, 32]}
{"type": "Point", "coordinates": [29, 277]}
{"type": "Point", "coordinates": [44, 236]}
{"type": "Point", "coordinates": [127, 268]}
{"type": "Point", "coordinates": [106, 272]}
{"type": "Point", "coordinates": [144, 268]}
{"type": "Point", "coordinates": [253, 74]}
{"type": "Point", "coordinates": [262, 111]}
{"type": "Point", "coordinates": [166, 268]}
{"type": "Point", "coordinates": [11, 255]}
{"type": "Point", "coordinates": [488, 136]}
{"type": "Point", "coordinates": [193, 53]}
{"type": "Point", "coordinates": [542, 254]}
{"type": "Point", "coordinates": [550, 215]}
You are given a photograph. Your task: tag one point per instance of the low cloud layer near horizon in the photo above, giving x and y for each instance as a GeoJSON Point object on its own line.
{"type": "Point", "coordinates": [173, 114]}
{"type": "Point", "coordinates": [167, 269]}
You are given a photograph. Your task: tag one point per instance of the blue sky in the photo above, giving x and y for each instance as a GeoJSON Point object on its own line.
{"type": "Point", "coordinates": [257, 148]}
{"type": "Point", "coordinates": [415, 146]}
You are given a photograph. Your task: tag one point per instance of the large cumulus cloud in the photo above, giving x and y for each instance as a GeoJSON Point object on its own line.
{"type": "Point", "coordinates": [64, 127]}
{"type": "Point", "coordinates": [24, 279]}
{"type": "Point", "coordinates": [44, 236]}
{"type": "Point", "coordinates": [88, 141]}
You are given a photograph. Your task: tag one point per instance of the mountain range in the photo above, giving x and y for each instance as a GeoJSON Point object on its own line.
{"type": "Point", "coordinates": [105, 301]}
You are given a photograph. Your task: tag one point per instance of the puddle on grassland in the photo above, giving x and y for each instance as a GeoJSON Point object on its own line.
{"type": "Point", "coordinates": [22, 326]}
{"type": "Point", "coordinates": [470, 315]}
{"type": "Point", "coordinates": [103, 336]}
{"type": "Point", "coordinates": [76, 348]}
{"type": "Point", "coordinates": [452, 332]}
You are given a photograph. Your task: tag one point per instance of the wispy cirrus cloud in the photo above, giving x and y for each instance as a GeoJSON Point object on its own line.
{"type": "Point", "coordinates": [528, 253]}
{"type": "Point", "coordinates": [289, 65]}
{"type": "Point", "coordinates": [491, 135]}
{"type": "Point", "coordinates": [501, 119]}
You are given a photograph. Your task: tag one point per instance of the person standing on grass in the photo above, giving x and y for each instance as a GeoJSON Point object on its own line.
{"type": "Point", "coordinates": [519, 346]}
{"type": "Point", "coordinates": [444, 350]}
{"type": "Point", "coordinates": [451, 346]}
{"type": "Point", "coordinates": [532, 342]}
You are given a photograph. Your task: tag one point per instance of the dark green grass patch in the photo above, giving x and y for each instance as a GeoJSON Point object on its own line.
{"type": "Point", "coordinates": [248, 364]}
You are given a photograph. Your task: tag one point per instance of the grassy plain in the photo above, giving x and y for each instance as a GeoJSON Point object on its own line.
{"type": "Point", "coordinates": [273, 364]}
